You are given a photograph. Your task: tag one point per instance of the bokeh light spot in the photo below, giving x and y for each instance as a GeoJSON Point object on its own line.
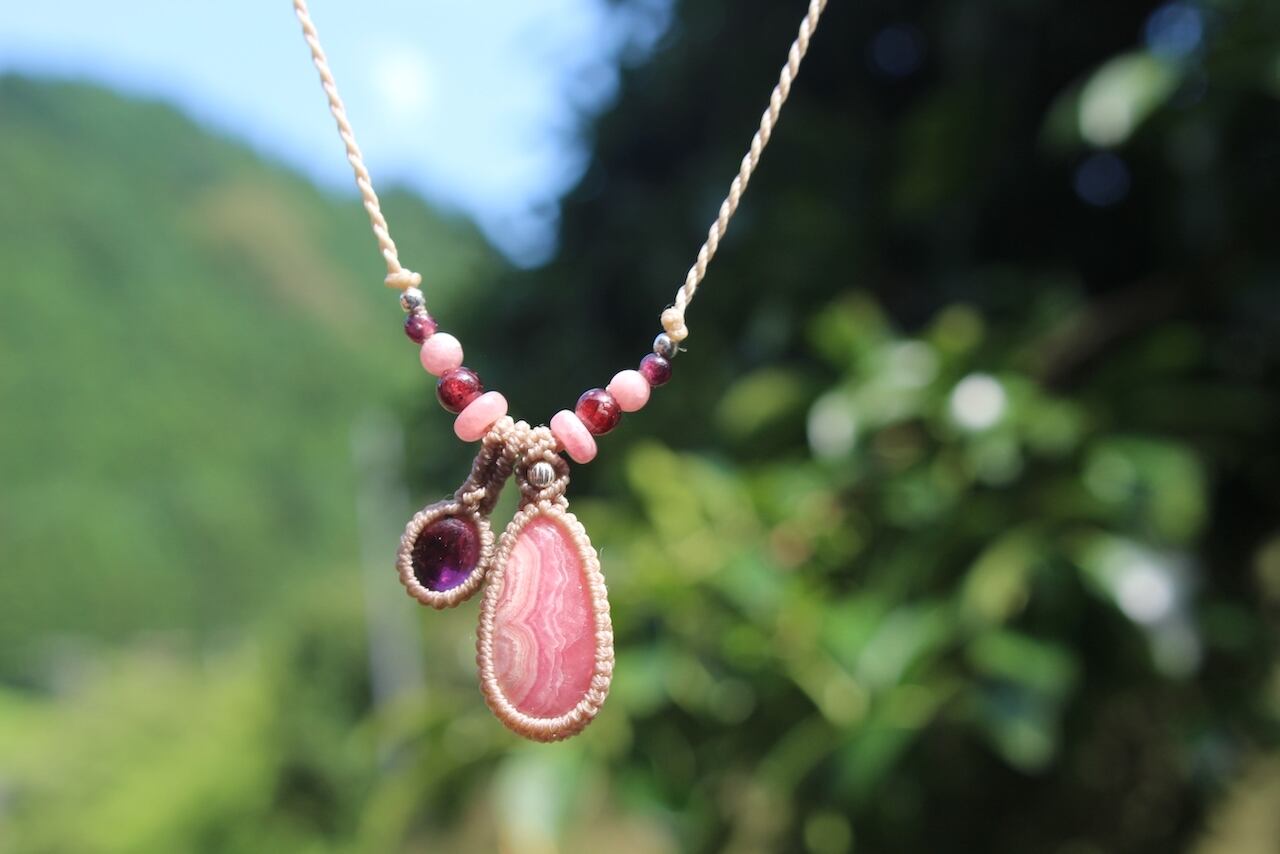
{"type": "Point", "coordinates": [1146, 592]}
{"type": "Point", "coordinates": [827, 832]}
{"type": "Point", "coordinates": [1121, 94]}
{"type": "Point", "coordinates": [978, 401]}
{"type": "Point", "coordinates": [897, 51]}
{"type": "Point", "coordinates": [1110, 475]}
{"type": "Point", "coordinates": [911, 364]}
{"type": "Point", "coordinates": [1176, 648]}
{"type": "Point", "coordinates": [404, 81]}
{"type": "Point", "coordinates": [1102, 180]}
{"type": "Point", "coordinates": [832, 426]}
{"type": "Point", "coordinates": [1267, 569]}
{"type": "Point", "coordinates": [1175, 30]}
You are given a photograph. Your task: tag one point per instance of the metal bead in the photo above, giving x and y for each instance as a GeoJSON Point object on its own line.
{"type": "Point", "coordinates": [411, 300]}
{"type": "Point", "coordinates": [665, 346]}
{"type": "Point", "coordinates": [542, 474]}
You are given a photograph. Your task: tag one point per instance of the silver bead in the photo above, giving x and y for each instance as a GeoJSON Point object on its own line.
{"type": "Point", "coordinates": [411, 300]}
{"type": "Point", "coordinates": [665, 346]}
{"type": "Point", "coordinates": [542, 474]}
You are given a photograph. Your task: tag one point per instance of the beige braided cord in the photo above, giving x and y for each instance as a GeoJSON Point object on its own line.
{"type": "Point", "coordinates": [397, 276]}
{"type": "Point", "coordinates": [673, 317]}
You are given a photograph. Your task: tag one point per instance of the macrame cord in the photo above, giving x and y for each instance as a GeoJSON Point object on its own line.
{"type": "Point", "coordinates": [673, 317]}
{"type": "Point", "coordinates": [397, 275]}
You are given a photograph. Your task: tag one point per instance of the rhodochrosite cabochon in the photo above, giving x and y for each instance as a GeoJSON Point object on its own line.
{"type": "Point", "coordinates": [545, 647]}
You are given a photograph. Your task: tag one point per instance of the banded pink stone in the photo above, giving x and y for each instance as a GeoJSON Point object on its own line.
{"type": "Point", "coordinates": [544, 623]}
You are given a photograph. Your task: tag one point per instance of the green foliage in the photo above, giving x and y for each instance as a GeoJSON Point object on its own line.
{"type": "Point", "coordinates": [955, 532]}
{"type": "Point", "coordinates": [188, 335]}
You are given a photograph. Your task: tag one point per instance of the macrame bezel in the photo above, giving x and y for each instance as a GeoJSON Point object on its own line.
{"type": "Point", "coordinates": [576, 719]}
{"type": "Point", "coordinates": [441, 599]}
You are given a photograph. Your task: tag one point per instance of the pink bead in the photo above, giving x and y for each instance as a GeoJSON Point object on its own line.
{"type": "Point", "coordinates": [441, 353]}
{"type": "Point", "coordinates": [479, 416]}
{"type": "Point", "coordinates": [630, 389]}
{"type": "Point", "coordinates": [575, 437]}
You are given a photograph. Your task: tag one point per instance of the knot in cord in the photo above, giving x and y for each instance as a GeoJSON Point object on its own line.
{"type": "Point", "coordinates": [513, 447]}
{"type": "Point", "coordinates": [673, 323]}
{"type": "Point", "coordinates": [540, 447]}
{"type": "Point", "coordinates": [403, 279]}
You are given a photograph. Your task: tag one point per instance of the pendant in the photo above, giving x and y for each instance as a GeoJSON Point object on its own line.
{"type": "Point", "coordinates": [545, 646]}
{"type": "Point", "coordinates": [447, 547]}
{"type": "Point", "coordinates": [545, 642]}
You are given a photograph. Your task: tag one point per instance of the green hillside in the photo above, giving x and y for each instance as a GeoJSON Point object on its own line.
{"type": "Point", "coordinates": [187, 335]}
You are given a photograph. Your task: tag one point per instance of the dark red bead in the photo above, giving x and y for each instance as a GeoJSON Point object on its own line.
{"type": "Point", "coordinates": [419, 327]}
{"type": "Point", "coordinates": [655, 369]}
{"type": "Point", "coordinates": [598, 411]}
{"type": "Point", "coordinates": [457, 388]}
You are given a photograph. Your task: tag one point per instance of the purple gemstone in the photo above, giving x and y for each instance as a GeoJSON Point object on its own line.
{"type": "Point", "coordinates": [419, 327]}
{"type": "Point", "coordinates": [445, 553]}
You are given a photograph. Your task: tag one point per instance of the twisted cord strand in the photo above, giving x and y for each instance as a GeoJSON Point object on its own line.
{"type": "Point", "coordinates": [397, 275]}
{"type": "Point", "coordinates": [673, 317]}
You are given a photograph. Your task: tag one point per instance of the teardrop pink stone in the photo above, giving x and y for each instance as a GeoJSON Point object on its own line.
{"type": "Point", "coordinates": [544, 644]}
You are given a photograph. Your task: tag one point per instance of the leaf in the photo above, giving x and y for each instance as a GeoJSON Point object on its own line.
{"type": "Point", "coordinates": [1040, 666]}
{"type": "Point", "coordinates": [761, 400]}
{"type": "Point", "coordinates": [997, 585]}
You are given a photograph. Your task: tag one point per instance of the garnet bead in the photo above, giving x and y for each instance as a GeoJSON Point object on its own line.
{"type": "Point", "coordinates": [655, 369]}
{"type": "Point", "coordinates": [598, 411]}
{"type": "Point", "coordinates": [457, 388]}
{"type": "Point", "coordinates": [419, 326]}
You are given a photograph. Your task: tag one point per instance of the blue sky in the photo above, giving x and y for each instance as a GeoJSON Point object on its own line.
{"type": "Point", "coordinates": [475, 105]}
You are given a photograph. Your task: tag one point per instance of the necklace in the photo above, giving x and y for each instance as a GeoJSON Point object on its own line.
{"type": "Point", "coordinates": [545, 642]}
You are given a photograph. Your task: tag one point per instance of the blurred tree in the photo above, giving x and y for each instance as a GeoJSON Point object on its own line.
{"type": "Point", "coordinates": [182, 355]}
{"type": "Point", "coordinates": [1010, 559]}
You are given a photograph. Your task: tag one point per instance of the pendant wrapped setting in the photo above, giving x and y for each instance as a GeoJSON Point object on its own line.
{"type": "Point", "coordinates": [444, 553]}
{"type": "Point", "coordinates": [545, 641]}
